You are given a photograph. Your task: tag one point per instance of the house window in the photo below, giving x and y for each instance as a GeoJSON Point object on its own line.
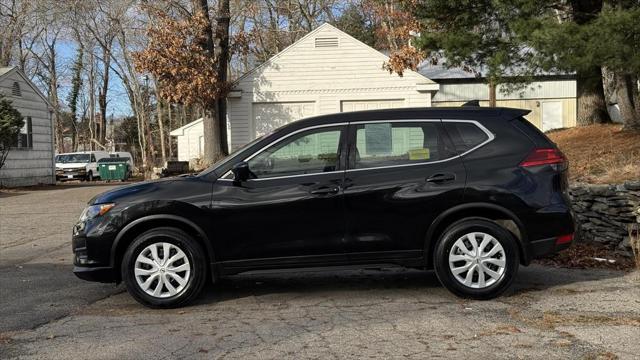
{"type": "Point", "coordinates": [25, 138]}
{"type": "Point", "coordinates": [15, 89]}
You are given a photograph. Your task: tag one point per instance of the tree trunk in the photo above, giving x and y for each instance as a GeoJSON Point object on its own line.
{"type": "Point", "coordinates": [592, 108]}
{"type": "Point", "coordinates": [92, 101]}
{"type": "Point", "coordinates": [627, 95]}
{"type": "Point", "coordinates": [102, 92]}
{"type": "Point", "coordinates": [492, 93]}
{"type": "Point", "coordinates": [163, 150]}
{"type": "Point", "coordinates": [170, 115]}
{"type": "Point", "coordinates": [222, 36]}
{"type": "Point", "coordinates": [212, 144]}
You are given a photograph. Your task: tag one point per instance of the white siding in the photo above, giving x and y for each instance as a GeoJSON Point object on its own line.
{"type": "Point", "coordinates": [550, 89]}
{"type": "Point", "coordinates": [33, 166]}
{"type": "Point", "coordinates": [325, 76]}
{"type": "Point", "coordinates": [189, 143]}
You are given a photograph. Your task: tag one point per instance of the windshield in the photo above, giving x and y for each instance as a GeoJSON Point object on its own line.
{"type": "Point", "coordinates": [72, 158]}
{"type": "Point", "coordinates": [224, 160]}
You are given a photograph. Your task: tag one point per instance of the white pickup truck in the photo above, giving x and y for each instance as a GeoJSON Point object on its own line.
{"type": "Point", "coordinates": [79, 165]}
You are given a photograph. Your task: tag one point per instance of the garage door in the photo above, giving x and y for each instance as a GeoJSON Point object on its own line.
{"type": "Point", "coordinates": [357, 105]}
{"type": "Point", "coordinates": [270, 116]}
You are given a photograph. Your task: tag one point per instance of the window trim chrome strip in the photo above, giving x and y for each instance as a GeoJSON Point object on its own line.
{"type": "Point", "coordinates": [490, 138]}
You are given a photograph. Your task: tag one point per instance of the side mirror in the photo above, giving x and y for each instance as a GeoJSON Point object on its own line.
{"type": "Point", "coordinates": [241, 171]}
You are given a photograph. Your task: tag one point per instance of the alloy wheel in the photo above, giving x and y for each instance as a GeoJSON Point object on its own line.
{"type": "Point", "coordinates": [162, 270]}
{"type": "Point", "coordinates": [477, 260]}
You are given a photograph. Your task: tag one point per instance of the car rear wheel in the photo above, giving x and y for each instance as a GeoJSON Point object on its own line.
{"type": "Point", "coordinates": [476, 259]}
{"type": "Point", "coordinates": [164, 268]}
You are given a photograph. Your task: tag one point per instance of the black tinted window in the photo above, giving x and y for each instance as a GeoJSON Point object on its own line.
{"type": "Point", "coordinates": [465, 135]}
{"type": "Point", "coordinates": [538, 137]}
{"type": "Point", "coordinates": [388, 144]}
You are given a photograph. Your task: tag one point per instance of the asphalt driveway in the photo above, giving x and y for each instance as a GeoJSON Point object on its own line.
{"type": "Point", "coordinates": [45, 312]}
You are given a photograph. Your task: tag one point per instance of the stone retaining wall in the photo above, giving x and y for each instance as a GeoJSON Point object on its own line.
{"type": "Point", "coordinates": [604, 212]}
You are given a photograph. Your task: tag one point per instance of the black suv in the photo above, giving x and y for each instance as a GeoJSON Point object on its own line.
{"type": "Point", "coordinates": [470, 192]}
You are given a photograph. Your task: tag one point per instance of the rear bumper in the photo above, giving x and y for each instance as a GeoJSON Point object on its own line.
{"type": "Point", "coordinates": [545, 247]}
{"type": "Point", "coordinates": [98, 274]}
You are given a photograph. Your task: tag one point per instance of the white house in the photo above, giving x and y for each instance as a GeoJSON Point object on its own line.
{"type": "Point", "coordinates": [31, 161]}
{"type": "Point", "coordinates": [326, 71]}
{"type": "Point", "coordinates": [190, 140]}
{"type": "Point", "coordinates": [550, 97]}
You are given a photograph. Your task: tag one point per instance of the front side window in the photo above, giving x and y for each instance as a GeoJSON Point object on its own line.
{"type": "Point", "coordinates": [310, 152]}
{"type": "Point", "coordinates": [398, 143]}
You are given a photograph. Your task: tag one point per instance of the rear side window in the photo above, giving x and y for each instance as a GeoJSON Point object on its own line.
{"type": "Point", "coordinates": [465, 135]}
{"type": "Point", "coordinates": [532, 132]}
{"type": "Point", "coordinates": [388, 144]}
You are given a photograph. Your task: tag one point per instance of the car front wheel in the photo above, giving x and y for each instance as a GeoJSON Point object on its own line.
{"type": "Point", "coordinates": [476, 259]}
{"type": "Point", "coordinates": [164, 268]}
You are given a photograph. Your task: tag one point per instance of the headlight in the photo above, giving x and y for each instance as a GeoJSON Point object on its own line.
{"type": "Point", "coordinates": [94, 211]}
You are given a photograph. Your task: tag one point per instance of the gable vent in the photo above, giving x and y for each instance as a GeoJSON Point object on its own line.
{"type": "Point", "coordinates": [15, 89]}
{"type": "Point", "coordinates": [326, 42]}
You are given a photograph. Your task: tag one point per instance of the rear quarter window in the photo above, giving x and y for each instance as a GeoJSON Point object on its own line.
{"type": "Point", "coordinates": [465, 135]}
{"type": "Point", "coordinates": [532, 132]}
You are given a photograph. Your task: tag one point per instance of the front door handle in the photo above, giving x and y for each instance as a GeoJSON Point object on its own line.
{"type": "Point", "coordinates": [440, 178]}
{"type": "Point", "coordinates": [325, 190]}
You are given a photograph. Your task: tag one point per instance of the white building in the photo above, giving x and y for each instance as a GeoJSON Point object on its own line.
{"type": "Point", "coordinates": [190, 140]}
{"type": "Point", "coordinates": [550, 97]}
{"type": "Point", "coordinates": [328, 71]}
{"type": "Point", "coordinates": [31, 161]}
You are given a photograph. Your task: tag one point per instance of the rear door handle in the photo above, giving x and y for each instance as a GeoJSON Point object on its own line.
{"type": "Point", "coordinates": [439, 178]}
{"type": "Point", "coordinates": [325, 190]}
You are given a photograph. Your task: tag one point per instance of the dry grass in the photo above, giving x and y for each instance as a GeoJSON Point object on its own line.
{"type": "Point", "coordinates": [600, 153]}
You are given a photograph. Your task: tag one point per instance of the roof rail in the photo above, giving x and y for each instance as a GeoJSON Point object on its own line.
{"type": "Point", "coordinates": [474, 103]}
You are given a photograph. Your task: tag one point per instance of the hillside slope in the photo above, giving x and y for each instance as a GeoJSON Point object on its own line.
{"type": "Point", "coordinates": [600, 153]}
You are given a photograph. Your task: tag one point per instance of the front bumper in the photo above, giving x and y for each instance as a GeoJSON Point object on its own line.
{"type": "Point", "coordinates": [71, 174]}
{"type": "Point", "coordinates": [91, 256]}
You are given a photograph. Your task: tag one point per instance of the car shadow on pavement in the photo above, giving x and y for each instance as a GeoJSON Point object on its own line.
{"type": "Point", "coordinates": [531, 278]}
{"type": "Point", "coordinates": [309, 282]}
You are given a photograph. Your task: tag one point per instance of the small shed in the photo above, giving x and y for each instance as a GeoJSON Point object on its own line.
{"type": "Point", "coordinates": [31, 160]}
{"type": "Point", "coordinates": [190, 139]}
{"type": "Point", "coordinates": [551, 97]}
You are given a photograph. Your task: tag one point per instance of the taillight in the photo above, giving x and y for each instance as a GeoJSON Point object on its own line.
{"type": "Point", "coordinates": [564, 239]}
{"type": "Point", "coordinates": [543, 156]}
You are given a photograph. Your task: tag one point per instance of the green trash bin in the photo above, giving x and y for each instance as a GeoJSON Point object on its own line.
{"type": "Point", "coordinates": [113, 168]}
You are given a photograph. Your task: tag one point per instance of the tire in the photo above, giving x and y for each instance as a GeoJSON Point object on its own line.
{"type": "Point", "coordinates": [460, 271]}
{"type": "Point", "coordinates": [90, 176]}
{"type": "Point", "coordinates": [188, 256]}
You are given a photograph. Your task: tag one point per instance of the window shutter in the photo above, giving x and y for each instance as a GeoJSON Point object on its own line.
{"type": "Point", "coordinates": [29, 132]}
